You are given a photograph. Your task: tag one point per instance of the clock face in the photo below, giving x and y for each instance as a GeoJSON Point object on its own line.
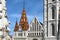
{"type": "Point", "coordinates": [0, 16]}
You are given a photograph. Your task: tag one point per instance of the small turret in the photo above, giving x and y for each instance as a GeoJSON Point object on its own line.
{"type": "Point", "coordinates": [16, 26]}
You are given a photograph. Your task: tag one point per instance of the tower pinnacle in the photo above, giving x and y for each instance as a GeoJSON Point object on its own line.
{"type": "Point", "coordinates": [23, 20]}
{"type": "Point", "coordinates": [16, 26]}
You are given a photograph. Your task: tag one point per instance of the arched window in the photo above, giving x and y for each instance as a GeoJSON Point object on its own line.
{"type": "Point", "coordinates": [59, 13]}
{"type": "Point", "coordinates": [35, 39]}
{"type": "Point", "coordinates": [59, 21]}
{"type": "Point", "coordinates": [53, 11]}
{"type": "Point", "coordinates": [0, 16]}
{"type": "Point", "coordinates": [53, 30]}
{"type": "Point", "coordinates": [53, 0]}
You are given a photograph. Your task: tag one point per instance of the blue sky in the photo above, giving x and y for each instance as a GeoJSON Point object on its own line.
{"type": "Point", "coordinates": [14, 10]}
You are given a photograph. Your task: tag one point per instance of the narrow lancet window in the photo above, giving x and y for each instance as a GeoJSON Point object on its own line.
{"type": "Point", "coordinates": [59, 22]}
{"type": "Point", "coordinates": [53, 30]}
{"type": "Point", "coordinates": [53, 12]}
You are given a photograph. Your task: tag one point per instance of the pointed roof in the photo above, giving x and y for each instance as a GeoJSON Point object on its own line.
{"type": "Point", "coordinates": [35, 25]}
{"type": "Point", "coordinates": [36, 19]}
{"type": "Point", "coordinates": [23, 21]}
{"type": "Point", "coordinates": [16, 26]}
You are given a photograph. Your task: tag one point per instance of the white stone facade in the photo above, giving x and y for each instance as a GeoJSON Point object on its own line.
{"type": "Point", "coordinates": [35, 32]}
{"type": "Point", "coordinates": [4, 23]}
{"type": "Point", "coordinates": [51, 14]}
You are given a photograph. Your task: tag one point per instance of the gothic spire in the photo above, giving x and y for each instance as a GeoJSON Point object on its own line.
{"type": "Point", "coordinates": [16, 26]}
{"type": "Point", "coordinates": [23, 21]}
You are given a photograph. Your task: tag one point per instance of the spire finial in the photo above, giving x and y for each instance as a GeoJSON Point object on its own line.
{"type": "Point", "coordinates": [23, 4]}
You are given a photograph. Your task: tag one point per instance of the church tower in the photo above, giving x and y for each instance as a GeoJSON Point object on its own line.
{"type": "Point", "coordinates": [4, 22]}
{"type": "Point", "coordinates": [21, 30]}
{"type": "Point", "coordinates": [51, 19]}
{"type": "Point", "coordinates": [23, 21]}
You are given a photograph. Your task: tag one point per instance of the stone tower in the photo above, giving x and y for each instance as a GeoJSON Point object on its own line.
{"type": "Point", "coordinates": [51, 19]}
{"type": "Point", "coordinates": [21, 30]}
{"type": "Point", "coordinates": [4, 23]}
{"type": "Point", "coordinates": [23, 21]}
